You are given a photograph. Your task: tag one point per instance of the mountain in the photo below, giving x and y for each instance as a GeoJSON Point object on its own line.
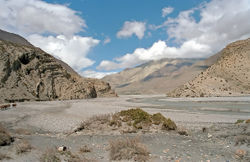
{"type": "Point", "coordinates": [27, 73]}
{"type": "Point", "coordinates": [14, 38]}
{"type": "Point", "coordinates": [229, 76]}
{"type": "Point", "coordinates": [157, 77]}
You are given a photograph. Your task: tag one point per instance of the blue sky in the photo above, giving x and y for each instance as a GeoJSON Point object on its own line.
{"type": "Point", "coordinates": [105, 18]}
{"type": "Point", "coordinates": [100, 37]}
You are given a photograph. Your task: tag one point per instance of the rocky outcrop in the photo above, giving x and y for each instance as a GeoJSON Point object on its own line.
{"type": "Point", "coordinates": [229, 76]}
{"type": "Point", "coordinates": [28, 73]}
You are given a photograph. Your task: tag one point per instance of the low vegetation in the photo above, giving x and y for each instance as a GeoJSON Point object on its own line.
{"type": "Point", "coordinates": [242, 121]}
{"type": "Point", "coordinates": [239, 121]}
{"type": "Point", "coordinates": [128, 149]}
{"type": "Point", "coordinates": [53, 155]}
{"type": "Point", "coordinates": [50, 155]}
{"type": "Point", "coordinates": [23, 147]}
{"type": "Point", "coordinates": [5, 138]}
{"type": "Point", "coordinates": [4, 157]}
{"type": "Point", "coordinates": [85, 149]}
{"type": "Point", "coordinates": [129, 121]}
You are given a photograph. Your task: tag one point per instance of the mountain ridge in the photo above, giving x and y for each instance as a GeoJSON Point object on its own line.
{"type": "Point", "coordinates": [228, 76]}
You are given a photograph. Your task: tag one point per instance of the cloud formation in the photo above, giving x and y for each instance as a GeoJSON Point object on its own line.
{"type": "Point", "coordinates": [221, 22]}
{"type": "Point", "coordinates": [132, 27]}
{"type": "Point", "coordinates": [52, 27]}
{"type": "Point", "coordinates": [95, 74]}
{"type": "Point", "coordinates": [157, 51]}
{"type": "Point", "coordinates": [36, 16]}
{"type": "Point", "coordinates": [166, 11]}
{"type": "Point", "coordinates": [72, 50]}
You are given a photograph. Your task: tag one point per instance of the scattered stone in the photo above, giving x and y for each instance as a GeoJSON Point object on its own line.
{"type": "Point", "coordinates": [165, 151]}
{"type": "Point", "coordinates": [209, 135]}
{"type": "Point", "coordinates": [62, 148]}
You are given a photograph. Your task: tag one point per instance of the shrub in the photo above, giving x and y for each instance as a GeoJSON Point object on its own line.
{"type": "Point", "coordinates": [3, 156]}
{"type": "Point", "coordinates": [85, 149]}
{"type": "Point", "coordinates": [169, 125]}
{"type": "Point", "coordinates": [247, 121]}
{"type": "Point", "coordinates": [135, 118]}
{"type": "Point", "coordinates": [158, 118]}
{"type": "Point", "coordinates": [128, 149]}
{"type": "Point", "coordinates": [50, 156]}
{"type": "Point", "coordinates": [136, 115]}
{"type": "Point", "coordinates": [23, 147]}
{"type": "Point", "coordinates": [5, 138]}
{"type": "Point", "coordinates": [239, 121]}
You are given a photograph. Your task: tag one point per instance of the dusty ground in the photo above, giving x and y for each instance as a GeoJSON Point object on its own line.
{"type": "Point", "coordinates": [47, 124]}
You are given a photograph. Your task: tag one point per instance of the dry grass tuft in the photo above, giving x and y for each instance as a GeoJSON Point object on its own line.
{"type": "Point", "coordinates": [85, 149]}
{"type": "Point", "coordinates": [50, 155]}
{"type": "Point", "coordinates": [5, 138]}
{"type": "Point", "coordinates": [248, 121]}
{"type": "Point", "coordinates": [4, 157]}
{"type": "Point", "coordinates": [128, 149]}
{"type": "Point", "coordinates": [23, 147]}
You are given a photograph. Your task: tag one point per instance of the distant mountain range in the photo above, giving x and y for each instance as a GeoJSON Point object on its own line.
{"type": "Point", "coordinates": [158, 77]}
{"type": "Point", "coordinates": [27, 73]}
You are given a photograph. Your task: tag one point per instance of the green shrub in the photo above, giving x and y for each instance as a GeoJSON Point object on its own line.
{"type": "Point", "coordinates": [239, 121]}
{"type": "Point", "coordinates": [138, 116]}
{"type": "Point", "coordinates": [169, 125]}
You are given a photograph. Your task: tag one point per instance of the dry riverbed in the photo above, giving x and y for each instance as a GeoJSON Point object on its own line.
{"type": "Point", "coordinates": [37, 127]}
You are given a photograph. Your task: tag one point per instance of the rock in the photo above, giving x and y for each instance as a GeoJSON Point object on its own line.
{"type": "Point", "coordinates": [62, 148]}
{"type": "Point", "coordinates": [209, 135]}
{"type": "Point", "coordinates": [165, 151]}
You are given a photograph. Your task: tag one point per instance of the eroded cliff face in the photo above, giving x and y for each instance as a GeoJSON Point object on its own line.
{"type": "Point", "coordinates": [28, 73]}
{"type": "Point", "coordinates": [229, 76]}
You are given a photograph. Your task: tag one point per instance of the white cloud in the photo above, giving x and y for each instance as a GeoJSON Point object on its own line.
{"type": "Point", "coordinates": [95, 74]}
{"type": "Point", "coordinates": [107, 40]}
{"type": "Point", "coordinates": [72, 50]}
{"type": "Point", "coordinates": [221, 22]}
{"type": "Point", "coordinates": [36, 16]}
{"type": "Point", "coordinates": [157, 51]}
{"type": "Point", "coordinates": [132, 27]}
{"type": "Point", "coordinates": [166, 11]}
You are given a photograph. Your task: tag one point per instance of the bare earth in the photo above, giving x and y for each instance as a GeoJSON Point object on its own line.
{"type": "Point", "coordinates": [47, 124]}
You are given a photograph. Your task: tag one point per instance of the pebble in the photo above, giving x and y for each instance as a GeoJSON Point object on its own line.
{"type": "Point", "coordinates": [165, 151]}
{"type": "Point", "coordinates": [209, 135]}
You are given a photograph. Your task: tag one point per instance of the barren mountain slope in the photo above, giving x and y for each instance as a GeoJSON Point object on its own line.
{"type": "Point", "coordinates": [28, 73]}
{"type": "Point", "coordinates": [11, 37]}
{"type": "Point", "coordinates": [157, 77]}
{"type": "Point", "coordinates": [229, 76]}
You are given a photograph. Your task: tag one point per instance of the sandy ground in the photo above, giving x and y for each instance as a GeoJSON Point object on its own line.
{"type": "Point", "coordinates": [49, 123]}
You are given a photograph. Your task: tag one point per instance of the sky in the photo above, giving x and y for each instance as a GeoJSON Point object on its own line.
{"type": "Point", "coordinates": [101, 37]}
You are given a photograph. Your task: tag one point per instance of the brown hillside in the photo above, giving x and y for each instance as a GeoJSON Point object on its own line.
{"type": "Point", "coordinates": [28, 73]}
{"type": "Point", "coordinates": [229, 76]}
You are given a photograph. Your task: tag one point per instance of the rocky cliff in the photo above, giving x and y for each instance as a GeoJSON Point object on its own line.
{"type": "Point", "coordinates": [229, 76]}
{"type": "Point", "coordinates": [27, 73]}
